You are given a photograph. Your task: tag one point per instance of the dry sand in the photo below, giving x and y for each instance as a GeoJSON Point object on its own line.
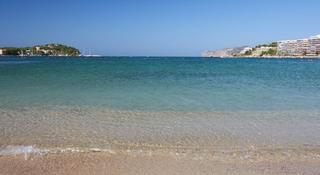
{"type": "Point", "coordinates": [114, 164]}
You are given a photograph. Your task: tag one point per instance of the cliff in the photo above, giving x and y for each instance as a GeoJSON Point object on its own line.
{"type": "Point", "coordinates": [246, 51]}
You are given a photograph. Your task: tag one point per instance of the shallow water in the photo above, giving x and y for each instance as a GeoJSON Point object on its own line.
{"type": "Point", "coordinates": [160, 103]}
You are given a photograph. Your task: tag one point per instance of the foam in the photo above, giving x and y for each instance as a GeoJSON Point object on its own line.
{"type": "Point", "coordinates": [22, 149]}
{"type": "Point", "coordinates": [15, 150]}
{"type": "Point", "coordinates": [262, 154]}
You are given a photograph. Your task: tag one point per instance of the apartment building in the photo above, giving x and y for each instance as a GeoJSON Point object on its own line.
{"type": "Point", "coordinates": [300, 47]}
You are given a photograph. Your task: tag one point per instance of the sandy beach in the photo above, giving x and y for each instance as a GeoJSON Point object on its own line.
{"type": "Point", "coordinates": [114, 164]}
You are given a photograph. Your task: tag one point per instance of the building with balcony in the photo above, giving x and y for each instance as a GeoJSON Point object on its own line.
{"type": "Point", "coordinates": [300, 47]}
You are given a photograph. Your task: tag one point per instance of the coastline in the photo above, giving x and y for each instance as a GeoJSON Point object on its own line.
{"type": "Point", "coordinates": [110, 163]}
{"type": "Point", "coordinates": [240, 57]}
{"type": "Point", "coordinates": [272, 57]}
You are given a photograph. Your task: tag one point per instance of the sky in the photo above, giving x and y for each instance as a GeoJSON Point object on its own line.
{"type": "Point", "coordinates": [155, 28]}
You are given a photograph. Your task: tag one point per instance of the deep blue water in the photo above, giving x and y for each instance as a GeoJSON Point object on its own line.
{"type": "Point", "coordinates": [143, 83]}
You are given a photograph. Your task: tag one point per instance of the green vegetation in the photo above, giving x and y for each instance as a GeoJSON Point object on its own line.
{"type": "Point", "coordinates": [57, 49]}
{"type": "Point", "coordinates": [11, 50]}
{"type": "Point", "coordinates": [273, 44]}
{"type": "Point", "coordinates": [43, 50]}
{"type": "Point", "coordinates": [247, 53]}
{"type": "Point", "coordinates": [263, 50]}
{"type": "Point", "coordinates": [270, 52]}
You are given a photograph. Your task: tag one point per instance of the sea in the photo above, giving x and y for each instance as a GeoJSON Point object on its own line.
{"type": "Point", "coordinates": [167, 105]}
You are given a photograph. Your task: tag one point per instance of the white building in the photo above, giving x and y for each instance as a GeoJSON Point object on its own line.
{"type": "Point", "coordinates": [1, 51]}
{"type": "Point", "coordinates": [300, 47]}
{"type": "Point", "coordinates": [245, 50]}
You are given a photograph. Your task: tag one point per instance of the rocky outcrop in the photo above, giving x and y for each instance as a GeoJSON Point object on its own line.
{"type": "Point", "coordinates": [227, 52]}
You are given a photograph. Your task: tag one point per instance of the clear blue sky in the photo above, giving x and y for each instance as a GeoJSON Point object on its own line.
{"type": "Point", "coordinates": [155, 28]}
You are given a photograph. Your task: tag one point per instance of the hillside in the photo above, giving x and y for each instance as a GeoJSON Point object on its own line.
{"type": "Point", "coordinates": [41, 50]}
{"type": "Point", "coordinates": [257, 51]}
{"type": "Point", "coordinates": [305, 47]}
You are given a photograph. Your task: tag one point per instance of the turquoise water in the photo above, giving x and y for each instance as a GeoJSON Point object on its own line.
{"type": "Point", "coordinates": [158, 103]}
{"type": "Point", "coordinates": [183, 84]}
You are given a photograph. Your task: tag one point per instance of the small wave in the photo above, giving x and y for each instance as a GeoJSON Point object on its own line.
{"type": "Point", "coordinates": [15, 150]}
{"type": "Point", "coordinates": [306, 153]}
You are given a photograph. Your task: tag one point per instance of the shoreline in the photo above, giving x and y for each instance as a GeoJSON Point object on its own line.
{"type": "Point", "coordinates": [271, 154]}
{"type": "Point", "coordinates": [240, 57]}
{"type": "Point", "coordinates": [108, 163]}
{"type": "Point", "coordinates": [272, 57]}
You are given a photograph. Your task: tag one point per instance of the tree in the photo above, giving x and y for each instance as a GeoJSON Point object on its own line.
{"type": "Point", "coordinates": [248, 52]}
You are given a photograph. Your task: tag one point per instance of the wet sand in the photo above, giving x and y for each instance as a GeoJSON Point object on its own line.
{"type": "Point", "coordinates": [102, 141]}
{"type": "Point", "coordinates": [114, 164]}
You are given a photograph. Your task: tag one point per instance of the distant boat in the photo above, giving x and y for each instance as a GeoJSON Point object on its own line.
{"type": "Point", "coordinates": [91, 55]}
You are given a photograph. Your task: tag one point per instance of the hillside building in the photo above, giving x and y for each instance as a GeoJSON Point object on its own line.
{"type": "Point", "coordinates": [300, 47]}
